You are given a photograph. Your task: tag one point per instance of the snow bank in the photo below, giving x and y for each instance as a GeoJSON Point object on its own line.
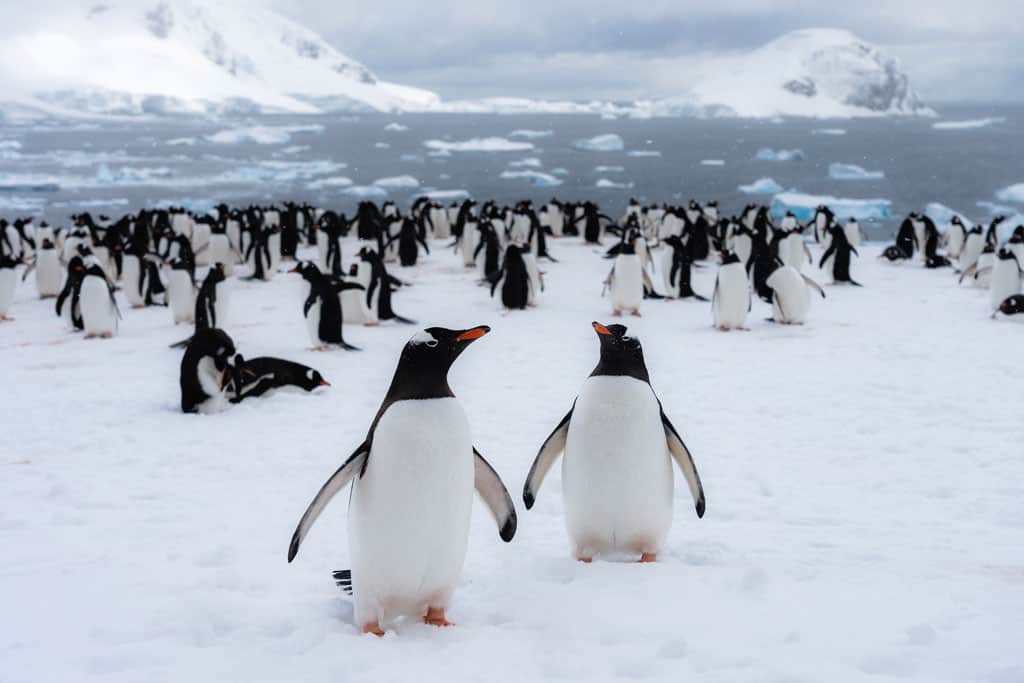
{"type": "Point", "coordinates": [762, 186]}
{"type": "Point", "coordinates": [262, 135]}
{"type": "Point", "coordinates": [837, 171]}
{"type": "Point", "coordinates": [397, 182]}
{"type": "Point", "coordinates": [535, 178]}
{"type": "Point", "coordinates": [712, 162]}
{"type": "Point", "coordinates": [530, 133]}
{"type": "Point", "coordinates": [803, 206]}
{"type": "Point", "coordinates": [330, 183]}
{"type": "Point", "coordinates": [968, 124]}
{"type": "Point", "coordinates": [769, 154]}
{"type": "Point", "coordinates": [609, 142]}
{"type": "Point", "coordinates": [529, 162]}
{"type": "Point", "coordinates": [828, 131]}
{"type": "Point", "coordinates": [1013, 193]}
{"type": "Point", "coordinates": [396, 127]}
{"type": "Point", "coordinates": [490, 144]}
{"type": "Point", "coordinates": [606, 184]}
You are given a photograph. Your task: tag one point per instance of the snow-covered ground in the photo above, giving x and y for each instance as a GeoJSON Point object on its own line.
{"type": "Point", "coordinates": [865, 516]}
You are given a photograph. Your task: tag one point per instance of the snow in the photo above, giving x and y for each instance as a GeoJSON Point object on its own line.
{"type": "Point", "coordinates": [531, 133]}
{"type": "Point", "coordinates": [828, 131]}
{"type": "Point", "coordinates": [1013, 193]}
{"type": "Point", "coordinates": [397, 182]}
{"type": "Point", "coordinates": [529, 162]}
{"type": "Point", "coordinates": [606, 184]}
{"type": "Point", "coordinates": [968, 124]}
{"type": "Point", "coordinates": [535, 178]}
{"type": "Point", "coordinates": [712, 162]}
{"type": "Point", "coordinates": [803, 205]}
{"type": "Point", "coordinates": [608, 142]}
{"type": "Point", "coordinates": [877, 540]}
{"type": "Point", "coordinates": [769, 154]}
{"type": "Point", "coordinates": [489, 144]}
{"type": "Point", "coordinates": [396, 127]}
{"type": "Point", "coordinates": [329, 183]}
{"type": "Point", "coordinates": [262, 135]}
{"type": "Point", "coordinates": [838, 171]}
{"type": "Point", "coordinates": [762, 186]}
{"type": "Point", "coordinates": [643, 153]}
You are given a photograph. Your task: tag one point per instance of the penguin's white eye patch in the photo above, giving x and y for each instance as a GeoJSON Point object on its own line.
{"type": "Point", "coordinates": [423, 337]}
{"type": "Point", "coordinates": [309, 374]}
{"type": "Point", "coordinates": [432, 343]}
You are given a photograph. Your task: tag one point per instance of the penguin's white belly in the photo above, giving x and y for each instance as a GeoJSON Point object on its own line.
{"type": "Point", "coordinates": [130, 279]}
{"type": "Point", "coordinates": [102, 255]}
{"type": "Point", "coordinates": [220, 252]}
{"type": "Point", "coordinates": [209, 380]}
{"type": "Point", "coordinates": [853, 234]}
{"type": "Point", "coordinates": [1004, 282]}
{"type": "Point", "coordinates": [274, 245]}
{"type": "Point", "coordinates": [742, 245]}
{"type": "Point", "coordinates": [201, 244]}
{"type": "Point", "coordinates": [732, 301]}
{"type": "Point", "coordinates": [470, 238]}
{"type": "Point", "coordinates": [47, 272]}
{"type": "Point", "coordinates": [616, 471]}
{"type": "Point", "coordinates": [628, 284]}
{"type": "Point", "coordinates": [8, 282]}
{"type": "Point", "coordinates": [791, 299]}
{"type": "Point", "coordinates": [534, 276]}
{"type": "Point", "coordinates": [797, 255]}
{"type": "Point", "coordinates": [409, 513]}
{"type": "Point", "coordinates": [954, 241]}
{"type": "Point", "coordinates": [666, 274]}
{"type": "Point", "coordinates": [354, 309]}
{"type": "Point", "coordinates": [181, 295]}
{"type": "Point", "coordinates": [221, 306]}
{"type": "Point", "coordinates": [984, 277]}
{"type": "Point", "coordinates": [971, 251]}
{"type": "Point", "coordinates": [98, 315]}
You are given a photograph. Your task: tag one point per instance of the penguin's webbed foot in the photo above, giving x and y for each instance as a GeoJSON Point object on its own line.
{"type": "Point", "coordinates": [373, 628]}
{"type": "Point", "coordinates": [6, 318]}
{"type": "Point", "coordinates": [616, 313]}
{"type": "Point", "coordinates": [635, 313]}
{"type": "Point", "coordinates": [435, 617]}
{"type": "Point", "coordinates": [646, 558]}
{"type": "Point", "coordinates": [584, 559]}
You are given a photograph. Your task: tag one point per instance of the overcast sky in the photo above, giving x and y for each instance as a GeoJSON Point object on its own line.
{"type": "Point", "coordinates": [952, 49]}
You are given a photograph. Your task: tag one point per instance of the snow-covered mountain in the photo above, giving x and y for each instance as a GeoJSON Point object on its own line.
{"type": "Point", "coordinates": [130, 57]}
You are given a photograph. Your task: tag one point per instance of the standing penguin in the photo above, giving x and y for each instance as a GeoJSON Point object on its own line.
{"type": "Point", "coordinates": [409, 241]}
{"type": "Point", "coordinates": [8, 283]}
{"type": "Point", "coordinates": [731, 300]}
{"type": "Point", "coordinates": [838, 252]}
{"type": "Point", "coordinates": [516, 288]}
{"type": "Point", "coordinates": [181, 291]}
{"type": "Point", "coordinates": [99, 309]}
{"type": "Point", "coordinates": [211, 303]}
{"type": "Point", "coordinates": [382, 285]}
{"type": "Point", "coordinates": [974, 243]}
{"type": "Point", "coordinates": [322, 308]}
{"type": "Point", "coordinates": [412, 490]}
{"type": "Point", "coordinates": [619, 446]}
{"type": "Point", "coordinates": [906, 237]}
{"type": "Point", "coordinates": [627, 279]}
{"type": "Point", "coordinates": [206, 372]}
{"type": "Point", "coordinates": [70, 293]}
{"type": "Point", "coordinates": [790, 299]}
{"type": "Point", "coordinates": [676, 270]}
{"type": "Point", "coordinates": [1005, 280]}
{"type": "Point", "coordinates": [47, 267]}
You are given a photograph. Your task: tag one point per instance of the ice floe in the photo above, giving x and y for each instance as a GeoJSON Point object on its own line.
{"type": "Point", "coordinates": [263, 135]}
{"type": "Point", "coordinates": [365, 191]}
{"type": "Point", "coordinates": [529, 133]}
{"type": "Point", "coordinates": [607, 184]}
{"type": "Point", "coordinates": [643, 153]}
{"type": "Point", "coordinates": [445, 195]}
{"type": "Point", "coordinates": [529, 162]}
{"type": "Point", "coordinates": [490, 144]}
{"type": "Point", "coordinates": [1013, 193]}
{"type": "Point", "coordinates": [609, 142]}
{"type": "Point", "coordinates": [536, 178]}
{"type": "Point", "coordinates": [179, 142]}
{"type": "Point", "coordinates": [837, 171]}
{"type": "Point", "coordinates": [396, 127]}
{"type": "Point", "coordinates": [769, 154]}
{"type": "Point", "coordinates": [333, 182]}
{"type": "Point", "coordinates": [609, 169]}
{"type": "Point", "coordinates": [803, 206]}
{"type": "Point", "coordinates": [828, 131]}
{"type": "Point", "coordinates": [397, 182]}
{"type": "Point", "coordinates": [382, 145]}
{"type": "Point", "coordinates": [712, 162]}
{"type": "Point", "coordinates": [968, 124]}
{"type": "Point", "coordinates": [762, 186]}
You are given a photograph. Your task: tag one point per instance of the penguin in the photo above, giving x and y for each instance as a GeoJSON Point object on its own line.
{"type": "Point", "coordinates": [488, 253]}
{"type": "Point", "coordinates": [516, 288]}
{"type": "Point", "coordinates": [954, 237]}
{"type": "Point", "coordinates": [211, 303]}
{"type": "Point", "coordinates": [627, 280]}
{"type": "Point", "coordinates": [181, 291]}
{"type": "Point", "coordinates": [1011, 306]}
{"type": "Point", "coordinates": [937, 261]}
{"type": "Point", "coordinates": [731, 300]}
{"type": "Point", "coordinates": [676, 270]}
{"type": "Point", "coordinates": [618, 447]}
{"type": "Point", "coordinates": [1016, 243]}
{"type": "Point", "coordinates": [823, 218]}
{"type": "Point", "coordinates": [906, 237]}
{"type": "Point", "coordinates": [96, 298]}
{"type": "Point", "coordinates": [790, 298]}
{"type": "Point", "coordinates": [47, 267]}
{"type": "Point", "coordinates": [322, 308]}
{"type": "Point", "coordinates": [1005, 279]}
{"type": "Point", "coordinates": [381, 284]}
{"type": "Point", "coordinates": [408, 238]}
{"type": "Point", "coordinates": [974, 243]}
{"type": "Point", "coordinates": [981, 272]}
{"type": "Point", "coordinates": [412, 490]}
{"type": "Point", "coordinates": [931, 239]}
{"type": "Point", "coordinates": [70, 294]}
{"type": "Point", "coordinates": [207, 374]}
{"type": "Point", "coordinates": [838, 253]}
{"type": "Point", "coordinates": [262, 375]}
{"type": "Point", "coordinates": [854, 233]}
{"type": "Point", "coordinates": [893, 254]}
{"type": "Point", "coordinates": [219, 249]}
{"type": "Point", "coordinates": [8, 283]}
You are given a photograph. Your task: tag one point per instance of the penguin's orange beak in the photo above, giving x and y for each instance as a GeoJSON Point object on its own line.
{"type": "Point", "coordinates": [473, 333]}
{"type": "Point", "coordinates": [294, 270]}
{"type": "Point", "coordinates": [601, 329]}
{"type": "Point", "coordinates": [324, 383]}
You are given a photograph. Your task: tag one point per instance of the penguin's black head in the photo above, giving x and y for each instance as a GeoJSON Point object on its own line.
{"type": "Point", "coordinates": [307, 269]}
{"type": "Point", "coordinates": [1012, 305]}
{"type": "Point", "coordinates": [312, 379]}
{"type": "Point", "coordinates": [422, 370]}
{"type": "Point", "coordinates": [621, 354]}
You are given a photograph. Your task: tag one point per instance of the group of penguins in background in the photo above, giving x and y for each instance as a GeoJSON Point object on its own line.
{"type": "Point", "coordinates": [988, 257]}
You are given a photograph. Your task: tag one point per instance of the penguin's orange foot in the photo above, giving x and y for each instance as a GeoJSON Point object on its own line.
{"type": "Point", "coordinates": [90, 335]}
{"type": "Point", "coordinates": [6, 318]}
{"type": "Point", "coordinates": [373, 628]}
{"type": "Point", "coordinates": [616, 313]}
{"type": "Point", "coordinates": [138, 306]}
{"type": "Point", "coordinates": [636, 312]}
{"type": "Point", "coordinates": [435, 617]}
{"type": "Point", "coordinates": [648, 557]}
{"type": "Point", "coordinates": [106, 335]}
{"type": "Point", "coordinates": [723, 328]}
{"type": "Point", "coordinates": [321, 347]}
{"type": "Point", "coordinates": [372, 324]}
{"type": "Point", "coordinates": [585, 560]}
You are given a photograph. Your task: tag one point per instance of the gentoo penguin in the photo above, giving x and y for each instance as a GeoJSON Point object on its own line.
{"type": "Point", "coordinates": [981, 272]}
{"type": "Point", "coordinates": [954, 237]}
{"type": "Point", "coordinates": [627, 279]}
{"type": "Point", "coordinates": [1011, 306]}
{"type": "Point", "coordinates": [906, 237]}
{"type": "Point", "coordinates": [8, 283]}
{"type": "Point", "coordinates": [211, 303]}
{"type": "Point", "coordinates": [1005, 280]}
{"type": "Point", "coordinates": [838, 257]}
{"type": "Point", "coordinates": [381, 286]}
{"type": "Point", "coordinates": [893, 254]}
{"type": "Point", "coordinates": [676, 270]}
{"type": "Point", "coordinates": [99, 309]}
{"type": "Point", "coordinates": [974, 243]}
{"type": "Point", "coordinates": [409, 240]}
{"type": "Point", "coordinates": [790, 298]}
{"type": "Point", "coordinates": [731, 300]}
{"type": "Point", "coordinates": [854, 233]}
{"type": "Point", "coordinates": [619, 446]}
{"type": "Point", "coordinates": [47, 267]}
{"type": "Point", "coordinates": [262, 375]}
{"type": "Point", "coordinates": [70, 293]}
{"type": "Point", "coordinates": [930, 243]}
{"type": "Point", "coordinates": [181, 291]}
{"type": "Point", "coordinates": [514, 279]}
{"type": "Point", "coordinates": [322, 308]}
{"type": "Point", "coordinates": [206, 372]}
{"type": "Point", "coordinates": [412, 490]}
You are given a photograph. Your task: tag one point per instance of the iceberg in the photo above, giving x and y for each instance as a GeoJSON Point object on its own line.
{"type": "Point", "coordinates": [762, 186]}
{"type": "Point", "coordinates": [178, 142]}
{"type": "Point", "coordinates": [366, 191]}
{"type": "Point", "coordinates": [769, 154]}
{"type": "Point", "coordinates": [330, 183]}
{"type": "Point", "coordinates": [968, 124]}
{"type": "Point", "coordinates": [609, 169]}
{"type": "Point", "coordinates": [528, 133]}
{"type": "Point", "coordinates": [1013, 193]}
{"type": "Point", "coordinates": [530, 162]}
{"type": "Point", "coordinates": [382, 145]}
{"type": "Point", "coordinates": [445, 195]}
{"type": "Point", "coordinates": [262, 135]}
{"type": "Point", "coordinates": [490, 144]}
{"type": "Point", "coordinates": [803, 206]}
{"type": "Point", "coordinates": [606, 184]}
{"type": "Point", "coordinates": [837, 171]}
{"type": "Point", "coordinates": [294, 149]}
{"type": "Point", "coordinates": [643, 153]}
{"type": "Point", "coordinates": [411, 157]}
{"type": "Point", "coordinates": [609, 142]}
{"type": "Point", "coordinates": [942, 214]}
{"type": "Point", "coordinates": [28, 183]}
{"type": "Point", "coordinates": [712, 162]}
{"type": "Point", "coordinates": [560, 171]}
{"type": "Point", "coordinates": [397, 182]}
{"type": "Point", "coordinates": [828, 131]}
{"type": "Point", "coordinates": [535, 178]}
{"type": "Point", "coordinates": [396, 127]}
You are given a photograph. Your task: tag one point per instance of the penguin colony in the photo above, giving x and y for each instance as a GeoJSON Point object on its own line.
{"type": "Point", "coordinates": [617, 443]}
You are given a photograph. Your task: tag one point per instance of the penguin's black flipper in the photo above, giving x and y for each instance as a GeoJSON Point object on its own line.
{"type": "Point", "coordinates": [180, 345]}
{"type": "Point", "coordinates": [339, 480]}
{"type": "Point", "coordinates": [348, 347]}
{"type": "Point", "coordinates": [400, 319]}
{"type": "Point", "coordinates": [546, 456]}
{"type": "Point", "coordinates": [343, 578]}
{"type": "Point", "coordinates": [681, 454]}
{"type": "Point", "coordinates": [488, 484]}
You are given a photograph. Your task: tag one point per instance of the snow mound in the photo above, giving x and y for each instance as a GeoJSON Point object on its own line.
{"type": "Point", "coordinates": [817, 73]}
{"type": "Point", "coordinates": [762, 186]}
{"type": "Point", "coordinates": [191, 56]}
{"type": "Point", "coordinates": [712, 162]}
{"type": "Point", "coordinates": [397, 182]}
{"type": "Point", "coordinates": [837, 171]}
{"type": "Point", "coordinates": [261, 135]}
{"type": "Point", "coordinates": [530, 133]}
{"type": "Point", "coordinates": [968, 124]}
{"type": "Point", "coordinates": [396, 127]}
{"type": "Point", "coordinates": [529, 162]}
{"type": "Point", "coordinates": [1013, 193]}
{"type": "Point", "coordinates": [535, 178]}
{"type": "Point", "coordinates": [609, 142]}
{"type": "Point", "coordinates": [491, 144]}
{"type": "Point", "coordinates": [828, 131]}
{"type": "Point", "coordinates": [803, 206]}
{"type": "Point", "coordinates": [769, 154]}
{"type": "Point", "coordinates": [606, 184]}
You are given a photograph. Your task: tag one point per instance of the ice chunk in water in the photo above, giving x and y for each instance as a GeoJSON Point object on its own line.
{"type": "Point", "coordinates": [491, 144]}
{"type": "Point", "coordinates": [769, 154]}
{"type": "Point", "coordinates": [606, 184]}
{"type": "Point", "coordinates": [397, 182]}
{"type": "Point", "coordinates": [803, 205]}
{"type": "Point", "coordinates": [535, 178]}
{"type": "Point", "coordinates": [609, 142]}
{"type": "Point", "coordinates": [762, 186]}
{"type": "Point", "coordinates": [837, 171]}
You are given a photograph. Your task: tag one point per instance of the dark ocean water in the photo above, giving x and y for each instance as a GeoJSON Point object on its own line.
{"type": "Point", "coordinates": [57, 169]}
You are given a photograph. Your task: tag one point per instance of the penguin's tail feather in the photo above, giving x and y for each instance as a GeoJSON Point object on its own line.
{"type": "Point", "coordinates": [181, 344]}
{"type": "Point", "coordinates": [400, 319]}
{"type": "Point", "coordinates": [343, 577]}
{"type": "Point", "coordinates": [348, 347]}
